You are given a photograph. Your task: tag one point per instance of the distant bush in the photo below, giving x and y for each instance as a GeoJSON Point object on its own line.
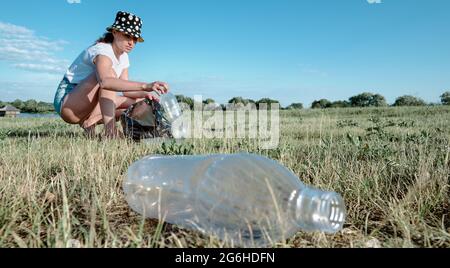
{"type": "Point", "coordinates": [324, 103]}
{"type": "Point", "coordinates": [367, 99]}
{"type": "Point", "coordinates": [408, 100]}
{"type": "Point", "coordinates": [30, 106]}
{"type": "Point", "coordinates": [295, 106]}
{"type": "Point", "coordinates": [445, 98]}
{"type": "Point", "coordinates": [186, 101]}
{"type": "Point", "coordinates": [320, 104]}
{"type": "Point", "coordinates": [339, 104]}
{"type": "Point", "coordinates": [240, 100]}
{"type": "Point", "coordinates": [267, 102]}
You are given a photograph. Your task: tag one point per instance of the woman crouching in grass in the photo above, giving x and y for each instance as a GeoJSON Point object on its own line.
{"type": "Point", "coordinates": [88, 93]}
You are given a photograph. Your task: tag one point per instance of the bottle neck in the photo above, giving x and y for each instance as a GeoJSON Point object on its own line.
{"type": "Point", "coordinates": [316, 210]}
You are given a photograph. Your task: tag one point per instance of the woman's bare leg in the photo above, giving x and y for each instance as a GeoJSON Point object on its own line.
{"type": "Point", "coordinates": [107, 103]}
{"type": "Point", "coordinates": [88, 104]}
{"type": "Point", "coordinates": [80, 102]}
{"type": "Point", "coordinates": [91, 123]}
{"type": "Point", "coordinates": [111, 107]}
{"type": "Point", "coordinates": [122, 103]}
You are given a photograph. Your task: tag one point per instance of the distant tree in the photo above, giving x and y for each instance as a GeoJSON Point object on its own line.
{"type": "Point", "coordinates": [189, 101]}
{"type": "Point", "coordinates": [445, 98]}
{"type": "Point", "coordinates": [320, 104]}
{"type": "Point", "coordinates": [18, 104]}
{"type": "Point", "coordinates": [368, 99]}
{"type": "Point", "coordinates": [295, 106]}
{"type": "Point", "coordinates": [236, 100]}
{"type": "Point", "coordinates": [241, 100]}
{"type": "Point", "coordinates": [267, 102]}
{"type": "Point", "coordinates": [179, 98]}
{"type": "Point", "coordinates": [44, 107]}
{"type": "Point", "coordinates": [30, 106]}
{"type": "Point", "coordinates": [378, 101]}
{"type": "Point", "coordinates": [408, 100]}
{"type": "Point", "coordinates": [361, 100]}
{"type": "Point", "coordinates": [210, 104]}
{"type": "Point", "coordinates": [185, 101]}
{"type": "Point", "coordinates": [209, 101]}
{"type": "Point", "coordinates": [339, 104]}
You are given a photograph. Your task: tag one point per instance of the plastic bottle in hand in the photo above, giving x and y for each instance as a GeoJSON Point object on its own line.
{"type": "Point", "coordinates": [243, 199]}
{"type": "Point", "coordinates": [174, 115]}
{"type": "Point", "coordinates": [171, 107]}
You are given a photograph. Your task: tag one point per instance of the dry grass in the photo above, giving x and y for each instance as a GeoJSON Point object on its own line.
{"type": "Point", "coordinates": [392, 166]}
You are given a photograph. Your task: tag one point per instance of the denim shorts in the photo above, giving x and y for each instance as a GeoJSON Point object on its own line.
{"type": "Point", "coordinates": [64, 88]}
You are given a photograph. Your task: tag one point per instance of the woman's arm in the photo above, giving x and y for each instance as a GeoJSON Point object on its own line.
{"type": "Point", "coordinates": [106, 79]}
{"type": "Point", "coordinates": [136, 94]}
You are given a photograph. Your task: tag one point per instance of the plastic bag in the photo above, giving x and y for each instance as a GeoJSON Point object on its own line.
{"type": "Point", "coordinates": [145, 120]}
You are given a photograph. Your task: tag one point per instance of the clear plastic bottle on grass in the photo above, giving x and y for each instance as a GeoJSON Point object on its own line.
{"type": "Point", "coordinates": [244, 199]}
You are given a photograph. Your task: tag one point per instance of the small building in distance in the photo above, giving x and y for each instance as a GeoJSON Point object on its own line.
{"type": "Point", "coordinates": [9, 111]}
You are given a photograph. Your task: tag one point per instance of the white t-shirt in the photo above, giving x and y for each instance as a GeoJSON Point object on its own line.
{"type": "Point", "coordinates": [83, 66]}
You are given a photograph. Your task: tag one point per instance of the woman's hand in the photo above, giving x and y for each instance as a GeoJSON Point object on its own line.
{"type": "Point", "coordinates": [158, 87]}
{"type": "Point", "coordinates": [151, 96]}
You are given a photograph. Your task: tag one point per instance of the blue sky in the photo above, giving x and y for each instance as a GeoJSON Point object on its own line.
{"type": "Point", "coordinates": [293, 51]}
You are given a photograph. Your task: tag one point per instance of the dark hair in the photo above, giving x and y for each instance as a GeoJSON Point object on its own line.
{"type": "Point", "coordinates": [106, 38]}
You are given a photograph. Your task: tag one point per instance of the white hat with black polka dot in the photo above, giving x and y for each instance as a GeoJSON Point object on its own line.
{"type": "Point", "coordinates": [127, 23]}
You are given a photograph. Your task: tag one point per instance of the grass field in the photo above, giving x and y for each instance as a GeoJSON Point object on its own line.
{"type": "Point", "coordinates": [391, 165]}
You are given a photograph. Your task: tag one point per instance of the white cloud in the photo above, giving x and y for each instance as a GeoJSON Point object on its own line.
{"type": "Point", "coordinates": [46, 68]}
{"type": "Point", "coordinates": [8, 28]}
{"type": "Point", "coordinates": [74, 1]}
{"type": "Point", "coordinates": [23, 49]}
{"type": "Point", "coordinates": [374, 1]}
